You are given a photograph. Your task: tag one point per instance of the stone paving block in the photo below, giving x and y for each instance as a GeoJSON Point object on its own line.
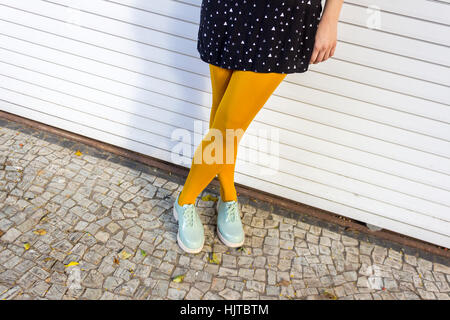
{"type": "Point", "coordinates": [202, 286]}
{"type": "Point", "coordinates": [56, 292]}
{"type": "Point", "coordinates": [176, 294]}
{"type": "Point", "coordinates": [235, 285]}
{"type": "Point", "coordinates": [128, 288]}
{"type": "Point", "coordinates": [11, 235]}
{"type": "Point", "coordinates": [102, 236]}
{"type": "Point", "coordinates": [39, 288]}
{"type": "Point", "coordinates": [194, 294]}
{"type": "Point", "coordinates": [229, 294]}
{"type": "Point", "coordinates": [112, 283]}
{"type": "Point", "coordinates": [441, 268]}
{"type": "Point", "coordinates": [218, 284]}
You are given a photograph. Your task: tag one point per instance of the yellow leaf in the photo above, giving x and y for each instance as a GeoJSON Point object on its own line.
{"type": "Point", "coordinates": [125, 255]}
{"type": "Point", "coordinates": [329, 295]}
{"type": "Point", "coordinates": [243, 249]}
{"type": "Point", "coordinates": [179, 279]}
{"type": "Point", "coordinates": [72, 263]}
{"type": "Point", "coordinates": [40, 232]}
{"type": "Point", "coordinates": [78, 153]}
{"type": "Point", "coordinates": [26, 246]}
{"type": "Point", "coordinates": [213, 258]}
{"type": "Point", "coordinates": [209, 197]}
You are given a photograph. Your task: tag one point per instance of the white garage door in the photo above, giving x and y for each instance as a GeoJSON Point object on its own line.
{"type": "Point", "coordinates": [365, 135]}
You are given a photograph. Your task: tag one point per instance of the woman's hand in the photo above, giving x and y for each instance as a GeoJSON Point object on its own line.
{"type": "Point", "coordinates": [326, 34]}
{"type": "Point", "coordinates": [325, 41]}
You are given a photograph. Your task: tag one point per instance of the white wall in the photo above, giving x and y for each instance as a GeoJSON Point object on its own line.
{"type": "Point", "coordinates": [365, 134]}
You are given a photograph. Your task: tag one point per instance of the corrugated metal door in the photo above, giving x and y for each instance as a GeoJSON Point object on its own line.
{"type": "Point", "coordinates": [365, 134]}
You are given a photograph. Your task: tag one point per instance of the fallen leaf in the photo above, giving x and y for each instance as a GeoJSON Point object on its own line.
{"type": "Point", "coordinates": [179, 279]}
{"type": "Point", "coordinates": [329, 295]}
{"type": "Point", "coordinates": [143, 253]}
{"type": "Point", "coordinates": [213, 258]}
{"type": "Point", "coordinates": [124, 255]}
{"type": "Point", "coordinates": [78, 153]}
{"type": "Point", "coordinates": [243, 249]}
{"type": "Point", "coordinates": [72, 263]}
{"type": "Point", "coordinates": [26, 246]}
{"type": "Point", "coordinates": [40, 232]}
{"type": "Point", "coordinates": [209, 197]}
{"type": "Point", "coordinates": [116, 261]}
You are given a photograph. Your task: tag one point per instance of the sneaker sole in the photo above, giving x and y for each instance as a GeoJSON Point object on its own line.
{"type": "Point", "coordinates": [182, 246]}
{"type": "Point", "coordinates": [224, 241]}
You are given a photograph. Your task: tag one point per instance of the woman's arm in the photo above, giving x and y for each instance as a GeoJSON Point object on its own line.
{"type": "Point", "coordinates": [326, 35]}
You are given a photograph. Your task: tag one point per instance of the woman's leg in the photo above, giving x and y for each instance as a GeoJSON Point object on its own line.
{"type": "Point", "coordinates": [245, 95]}
{"type": "Point", "coordinates": [220, 78]}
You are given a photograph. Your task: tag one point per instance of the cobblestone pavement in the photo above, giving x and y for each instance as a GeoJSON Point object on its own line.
{"type": "Point", "coordinates": [92, 225]}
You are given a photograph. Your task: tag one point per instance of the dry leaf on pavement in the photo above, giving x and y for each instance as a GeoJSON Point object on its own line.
{"type": "Point", "coordinates": [209, 197]}
{"type": "Point", "coordinates": [40, 232]}
{"type": "Point", "coordinates": [213, 258]}
{"type": "Point", "coordinates": [179, 278]}
{"type": "Point", "coordinates": [72, 263]}
{"type": "Point", "coordinates": [124, 255]}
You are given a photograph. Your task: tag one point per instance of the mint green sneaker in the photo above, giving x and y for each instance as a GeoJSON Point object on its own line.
{"type": "Point", "coordinates": [190, 235]}
{"type": "Point", "coordinates": [229, 224]}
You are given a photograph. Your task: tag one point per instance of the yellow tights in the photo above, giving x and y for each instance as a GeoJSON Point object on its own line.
{"type": "Point", "coordinates": [237, 96]}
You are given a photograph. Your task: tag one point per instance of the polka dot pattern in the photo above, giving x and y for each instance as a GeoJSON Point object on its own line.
{"type": "Point", "coordinates": [258, 35]}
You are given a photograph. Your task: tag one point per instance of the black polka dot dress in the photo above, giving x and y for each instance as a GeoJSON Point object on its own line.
{"type": "Point", "coordinates": [258, 35]}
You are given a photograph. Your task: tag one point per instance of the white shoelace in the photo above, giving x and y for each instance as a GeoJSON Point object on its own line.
{"type": "Point", "coordinates": [232, 211]}
{"type": "Point", "coordinates": [189, 215]}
